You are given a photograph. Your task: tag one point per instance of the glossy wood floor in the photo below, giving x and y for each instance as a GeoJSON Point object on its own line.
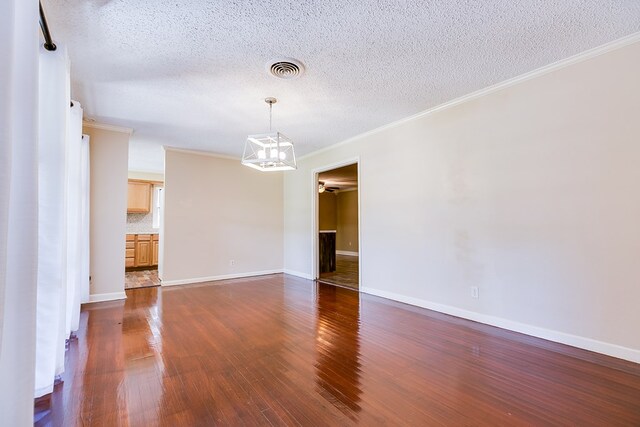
{"type": "Point", "coordinates": [346, 273]}
{"type": "Point", "coordinates": [279, 350]}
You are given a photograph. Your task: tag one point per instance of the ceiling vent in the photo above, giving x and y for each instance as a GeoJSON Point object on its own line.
{"type": "Point", "coordinates": [286, 69]}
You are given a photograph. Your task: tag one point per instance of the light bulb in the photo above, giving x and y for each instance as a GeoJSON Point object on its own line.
{"type": "Point", "coordinates": [282, 155]}
{"type": "Point", "coordinates": [273, 154]}
{"type": "Point", "coordinates": [262, 154]}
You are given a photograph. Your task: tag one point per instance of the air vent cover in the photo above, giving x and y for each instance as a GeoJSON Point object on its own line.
{"type": "Point", "coordinates": [286, 69]}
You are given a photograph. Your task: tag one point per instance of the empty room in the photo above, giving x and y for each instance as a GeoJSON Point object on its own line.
{"type": "Point", "coordinates": [319, 213]}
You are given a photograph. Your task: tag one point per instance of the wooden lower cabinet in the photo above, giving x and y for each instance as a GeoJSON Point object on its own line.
{"type": "Point", "coordinates": [130, 251]}
{"type": "Point", "coordinates": [141, 250]}
{"type": "Point", "coordinates": [154, 250]}
{"type": "Point", "coordinates": [327, 250]}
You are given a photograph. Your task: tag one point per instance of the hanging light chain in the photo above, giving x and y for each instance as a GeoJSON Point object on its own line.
{"type": "Point", "coordinates": [270, 100]}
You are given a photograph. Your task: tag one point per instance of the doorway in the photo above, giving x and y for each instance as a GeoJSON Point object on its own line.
{"type": "Point", "coordinates": [338, 228]}
{"type": "Point", "coordinates": [144, 216]}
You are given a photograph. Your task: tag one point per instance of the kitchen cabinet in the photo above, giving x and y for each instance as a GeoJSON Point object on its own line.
{"type": "Point", "coordinates": [327, 250]}
{"type": "Point", "coordinates": [139, 196]}
{"type": "Point", "coordinates": [141, 250]}
{"type": "Point", "coordinates": [130, 251]}
{"type": "Point", "coordinates": [154, 250]}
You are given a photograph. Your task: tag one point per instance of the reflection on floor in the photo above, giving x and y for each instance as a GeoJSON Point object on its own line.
{"type": "Point", "coordinates": [281, 350]}
{"type": "Point", "coordinates": [141, 279]}
{"type": "Point", "coordinates": [346, 273]}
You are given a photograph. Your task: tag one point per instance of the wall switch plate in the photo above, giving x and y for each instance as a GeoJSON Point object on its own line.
{"type": "Point", "coordinates": [232, 262]}
{"type": "Point", "coordinates": [475, 292]}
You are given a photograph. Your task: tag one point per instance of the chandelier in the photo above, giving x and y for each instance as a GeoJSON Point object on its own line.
{"type": "Point", "coordinates": [271, 151]}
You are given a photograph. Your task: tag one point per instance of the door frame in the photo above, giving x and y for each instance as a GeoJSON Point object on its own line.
{"type": "Point", "coordinates": [315, 212]}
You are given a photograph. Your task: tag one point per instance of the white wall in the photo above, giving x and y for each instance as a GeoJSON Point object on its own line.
{"type": "Point", "coordinates": [530, 192]}
{"type": "Point", "coordinates": [109, 157]}
{"type": "Point", "coordinates": [216, 211]}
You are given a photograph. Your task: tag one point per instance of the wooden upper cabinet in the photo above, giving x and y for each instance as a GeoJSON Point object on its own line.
{"type": "Point", "coordinates": [139, 197]}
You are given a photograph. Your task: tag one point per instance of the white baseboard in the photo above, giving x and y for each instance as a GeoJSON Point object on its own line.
{"type": "Point", "coordinates": [299, 274]}
{"type": "Point", "coordinates": [215, 278]}
{"type": "Point", "coordinates": [106, 297]}
{"type": "Point", "coordinates": [349, 253]}
{"type": "Point", "coordinates": [614, 350]}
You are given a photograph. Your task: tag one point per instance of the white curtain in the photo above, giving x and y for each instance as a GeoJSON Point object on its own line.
{"type": "Point", "coordinates": [62, 217]}
{"type": "Point", "coordinates": [52, 218]}
{"type": "Point", "coordinates": [62, 224]}
{"type": "Point", "coordinates": [44, 213]}
{"type": "Point", "coordinates": [77, 253]}
{"type": "Point", "coordinates": [18, 208]}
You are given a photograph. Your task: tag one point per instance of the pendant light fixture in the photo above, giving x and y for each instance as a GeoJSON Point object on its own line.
{"type": "Point", "coordinates": [269, 151]}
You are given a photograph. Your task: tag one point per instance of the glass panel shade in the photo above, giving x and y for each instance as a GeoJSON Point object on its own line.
{"type": "Point", "coordinates": [269, 152]}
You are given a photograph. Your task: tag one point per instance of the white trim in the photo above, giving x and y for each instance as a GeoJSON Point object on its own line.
{"type": "Point", "coordinates": [200, 153]}
{"type": "Point", "coordinates": [104, 126]}
{"type": "Point", "coordinates": [220, 277]}
{"type": "Point", "coordinates": [609, 349]}
{"type": "Point", "coordinates": [106, 297]}
{"type": "Point", "coordinates": [336, 165]}
{"type": "Point", "coordinates": [348, 253]}
{"type": "Point", "coordinates": [575, 59]}
{"type": "Point", "coordinates": [360, 265]}
{"type": "Point", "coordinates": [298, 274]}
{"type": "Point", "coordinates": [154, 171]}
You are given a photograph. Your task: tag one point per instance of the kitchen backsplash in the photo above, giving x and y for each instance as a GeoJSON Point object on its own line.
{"type": "Point", "coordinates": [139, 223]}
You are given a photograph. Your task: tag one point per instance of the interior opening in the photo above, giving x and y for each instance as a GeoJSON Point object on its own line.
{"type": "Point", "coordinates": [145, 192]}
{"type": "Point", "coordinates": [338, 227]}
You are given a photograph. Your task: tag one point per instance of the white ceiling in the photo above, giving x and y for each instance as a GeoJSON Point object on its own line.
{"type": "Point", "coordinates": [191, 74]}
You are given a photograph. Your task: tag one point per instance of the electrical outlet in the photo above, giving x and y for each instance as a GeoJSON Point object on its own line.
{"type": "Point", "coordinates": [475, 292]}
{"type": "Point", "coordinates": [232, 262]}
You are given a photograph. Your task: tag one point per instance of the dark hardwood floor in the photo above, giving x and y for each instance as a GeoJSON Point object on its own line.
{"type": "Point", "coordinates": [346, 273]}
{"type": "Point", "coordinates": [278, 350]}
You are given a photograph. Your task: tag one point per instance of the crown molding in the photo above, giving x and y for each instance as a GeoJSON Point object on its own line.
{"type": "Point", "coordinates": [149, 171]}
{"type": "Point", "coordinates": [199, 152]}
{"type": "Point", "coordinates": [103, 126]}
{"type": "Point", "coordinates": [563, 63]}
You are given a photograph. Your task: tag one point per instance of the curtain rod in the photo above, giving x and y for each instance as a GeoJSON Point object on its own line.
{"type": "Point", "coordinates": [48, 42]}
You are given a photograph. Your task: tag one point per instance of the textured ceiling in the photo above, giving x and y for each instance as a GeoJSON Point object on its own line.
{"type": "Point", "coordinates": [191, 74]}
